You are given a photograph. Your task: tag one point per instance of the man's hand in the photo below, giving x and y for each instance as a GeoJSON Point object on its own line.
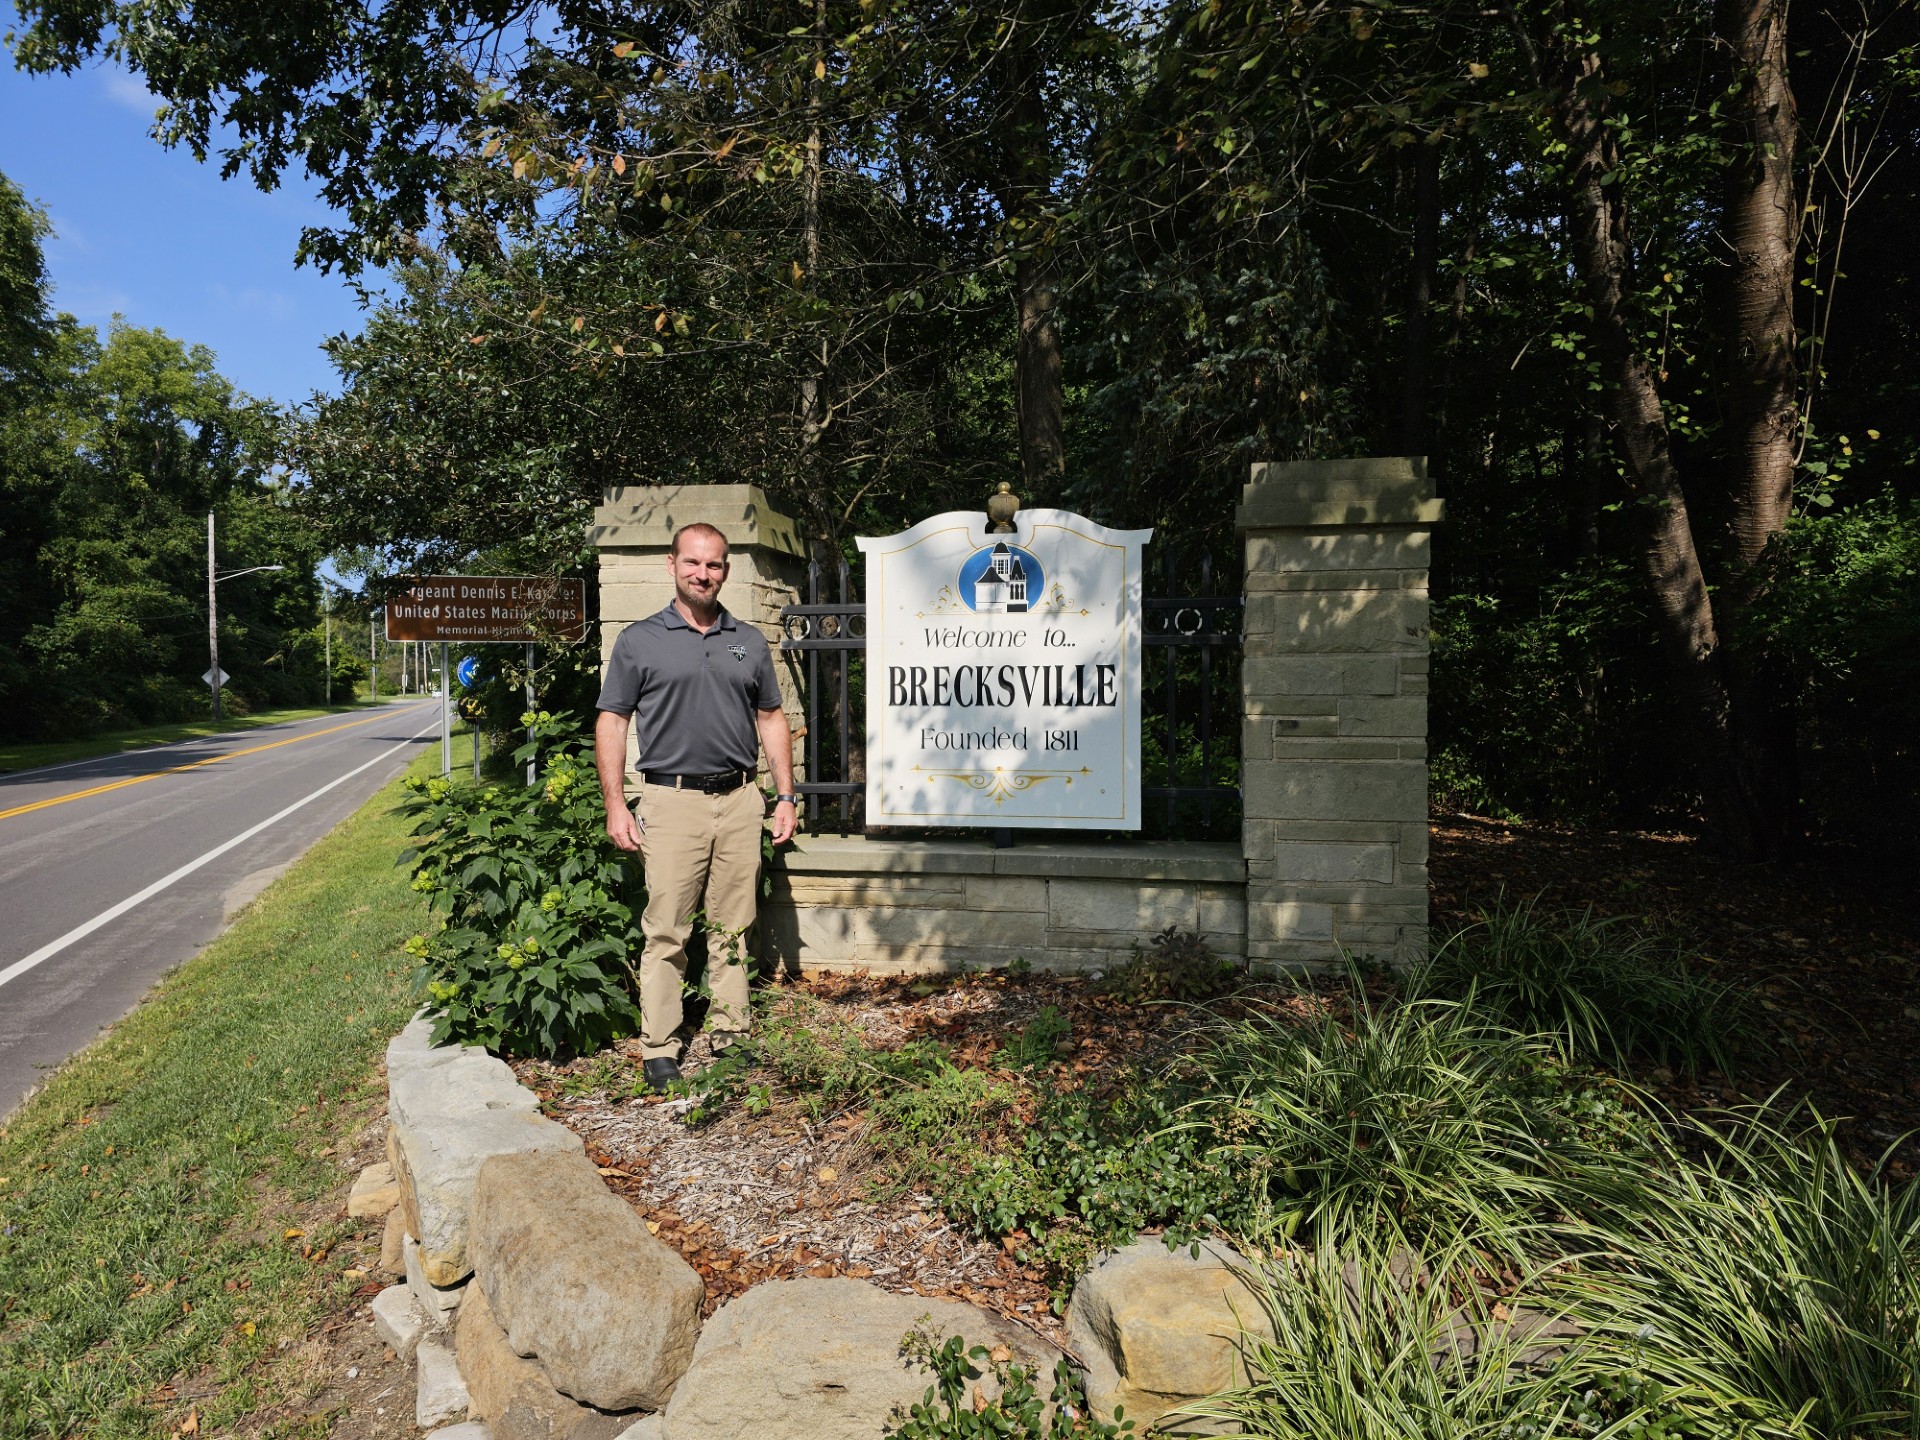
{"type": "Point", "coordinates": [622, 828]}
{"type": "Point", "coordinates": [785, 820]}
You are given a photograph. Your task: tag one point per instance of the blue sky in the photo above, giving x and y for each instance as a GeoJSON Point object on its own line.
{"type": "Point", "coordinates": [155, 236]}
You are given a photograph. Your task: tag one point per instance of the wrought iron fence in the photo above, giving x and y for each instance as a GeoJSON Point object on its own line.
{"type": "Point", "coordinates": [1190, 708]}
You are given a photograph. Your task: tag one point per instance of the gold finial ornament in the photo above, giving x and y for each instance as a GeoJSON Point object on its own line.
{"type": "Point", "coordinates": [1002, 506]}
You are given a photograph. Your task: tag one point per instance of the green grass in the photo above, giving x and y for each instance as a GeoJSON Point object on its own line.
{"type": "Point", "coordinates": [149, 1186]}
{"type": "Point", "coordinates": [117, 742]}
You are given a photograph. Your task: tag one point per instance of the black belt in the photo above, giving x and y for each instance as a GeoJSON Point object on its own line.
{"type": "Point", "coordinates": [725, 783]}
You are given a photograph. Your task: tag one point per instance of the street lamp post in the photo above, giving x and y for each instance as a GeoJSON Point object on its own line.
{"type": "Point", "coordinates": [326, 602]}
{"type": "Point", "coordinates": [214, 577]}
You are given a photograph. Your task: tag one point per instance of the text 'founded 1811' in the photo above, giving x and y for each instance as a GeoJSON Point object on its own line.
{"type": "Point", "coordinates": [1003, 673]}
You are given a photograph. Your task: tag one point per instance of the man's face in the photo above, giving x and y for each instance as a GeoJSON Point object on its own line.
{"type": "Point", "coordinates": [699, 570]}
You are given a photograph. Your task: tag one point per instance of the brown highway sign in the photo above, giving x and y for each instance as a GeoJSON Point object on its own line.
{"type": "Point", "coordinates": [489, 609]}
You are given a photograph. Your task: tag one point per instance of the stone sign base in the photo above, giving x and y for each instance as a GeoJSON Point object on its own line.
{"type": "Point", "coordinates": [909, 906]}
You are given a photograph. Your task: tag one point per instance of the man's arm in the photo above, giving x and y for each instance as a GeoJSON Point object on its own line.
{"type": "Point", "coordinates": [610, 760]}
{"type": "Point", "coordinates": [776, 738]}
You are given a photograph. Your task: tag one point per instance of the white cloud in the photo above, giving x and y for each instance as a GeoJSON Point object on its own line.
{"type": "Point", "coordinates": [130, 91]}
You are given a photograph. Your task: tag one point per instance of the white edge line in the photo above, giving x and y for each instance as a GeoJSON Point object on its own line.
{"type": "Point", "coordinates": [108, 916]}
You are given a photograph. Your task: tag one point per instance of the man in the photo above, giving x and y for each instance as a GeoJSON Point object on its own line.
{"type": "Point", "coordinates": [707, 699]}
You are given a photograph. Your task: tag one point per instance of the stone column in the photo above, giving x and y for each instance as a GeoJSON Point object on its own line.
{"type": "Point", "coordinates": [633, 528]}
{"type": "Point", "coordinates": [1335, 720]}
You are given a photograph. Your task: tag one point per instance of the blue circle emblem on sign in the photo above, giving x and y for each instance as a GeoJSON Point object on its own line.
{"type": "Point", "coordinates": [466, 670]}
{"type": "Point", "coordinates": [1002, 579]}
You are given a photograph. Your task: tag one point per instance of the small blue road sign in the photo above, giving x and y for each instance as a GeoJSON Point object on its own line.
{"type": "Point", "coordinates": [466, 670]}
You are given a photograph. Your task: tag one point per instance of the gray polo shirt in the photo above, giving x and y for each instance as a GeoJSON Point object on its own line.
{"type": "Point", "coordinates": [692, 696]}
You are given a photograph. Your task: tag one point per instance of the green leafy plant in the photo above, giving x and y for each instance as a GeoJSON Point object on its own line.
{"type": "Point", "coordinates": [533, 955]}
{"type": "Point", "coordinates": [1175, 965]}
{"type": "Point", "coordinates": [1035, 1042]}
{"type": "Point", "coordinates": [1605, 990]}
{"type": "Point", "coordinates": [955, 1409]}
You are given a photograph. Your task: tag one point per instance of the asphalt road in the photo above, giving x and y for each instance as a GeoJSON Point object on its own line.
{"type": "Point", "coordinates": [93, 904]}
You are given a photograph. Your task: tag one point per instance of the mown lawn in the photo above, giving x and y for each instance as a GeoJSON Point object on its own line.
{"type": "Point", "coordinates": [152, 1194]}
{"type": "Point", "coordinates": [115, 742]}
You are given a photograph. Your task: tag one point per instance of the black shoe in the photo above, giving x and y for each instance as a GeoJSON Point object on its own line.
{"type": "Point", "coordinates": [661, 1073]}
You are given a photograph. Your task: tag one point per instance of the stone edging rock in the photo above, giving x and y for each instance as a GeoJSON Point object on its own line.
{"type": "Point", "coordinates": [537, 1303]}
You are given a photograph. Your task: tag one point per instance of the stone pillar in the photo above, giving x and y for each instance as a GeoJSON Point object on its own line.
{"type": "Point", "coordinates": [1334, 769]}
{"type": "Point", "coordinates": [633, 528]}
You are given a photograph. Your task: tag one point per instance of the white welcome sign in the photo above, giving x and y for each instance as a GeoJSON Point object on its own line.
{"type": "Point", "coordinates": [1003, 673]}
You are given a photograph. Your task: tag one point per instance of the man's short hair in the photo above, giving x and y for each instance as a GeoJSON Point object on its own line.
{"type": "Point", "coordinates": [698, 527]}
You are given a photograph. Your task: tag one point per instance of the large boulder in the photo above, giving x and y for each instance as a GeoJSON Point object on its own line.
{"type": "Point", "coordinates": [513, 1394]}
{"type": "Point", "coordinates": [453, 1108]}
{"type": "Point", "coordinates": [1158, 1329]}
{"type": "Point", "coordinates": [574, 1277]}
{"type": "Point", "coordinates": [821, 1360]}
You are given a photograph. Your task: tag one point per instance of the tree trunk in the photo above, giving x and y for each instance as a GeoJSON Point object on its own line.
{"type": "Point", "coordinates": [1415, 372]}
{"type": "Point", "coordinates": [813, 385]}
{"type": "Point", "coordinates": [1038, 383]}
{"type": "Point", "coordinates": [1598, 234]}
{"type": "Point", "coordinates": [1760, 228]}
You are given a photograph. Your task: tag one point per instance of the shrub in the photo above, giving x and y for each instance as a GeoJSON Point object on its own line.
{"type": "Point", "coordinates": [1604, 990]}
{"type": "Point", "coordinates": [533, 955]}
{"type": "Point", "coordinates": [1175, 965]}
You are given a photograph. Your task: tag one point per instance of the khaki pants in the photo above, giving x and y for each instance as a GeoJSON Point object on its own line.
{"type": "Point", "coordinates": [702, 852]}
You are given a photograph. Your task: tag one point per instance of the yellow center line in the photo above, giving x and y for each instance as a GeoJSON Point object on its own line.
{"type": "Point", "coordinates": [190, 765]}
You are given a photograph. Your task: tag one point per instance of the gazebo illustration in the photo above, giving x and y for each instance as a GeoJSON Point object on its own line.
{"type": "Point", "coordinates": [1002, 586]}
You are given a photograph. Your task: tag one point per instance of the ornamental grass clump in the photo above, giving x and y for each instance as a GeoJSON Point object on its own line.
{"type": "Point", "coordinates": [1606, 992]}
{"type": "Point", "coordinates": [1420, 1118]}
{"type": "Point", "coordinates": [533, 952]}
{"type": "Point", "coordinates": [1774, 1277]}
{"type": "Point", "coordinates": [1370, 1339]}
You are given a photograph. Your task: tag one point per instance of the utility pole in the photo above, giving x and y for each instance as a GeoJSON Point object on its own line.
{"type": "Point", "coordinates": [326, 603]}
{"type": "Point", "coordinates": [373, 660]}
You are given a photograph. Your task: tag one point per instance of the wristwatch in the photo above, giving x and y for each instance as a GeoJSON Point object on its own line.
{"type": "Point", "coordinates": [793, 800]}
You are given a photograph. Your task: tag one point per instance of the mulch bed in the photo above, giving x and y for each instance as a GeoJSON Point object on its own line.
{"type": "Point", "coordinates": [1829, 957]}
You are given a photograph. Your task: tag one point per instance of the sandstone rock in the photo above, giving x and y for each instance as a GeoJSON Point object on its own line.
{"type": "Point", "coordinates": [435, 1301]}
{"type": "Point", "coordinates": [442, 1393]}
{"type": "Point", "coordinates": [820, 1360]}
{"type": "Point", "coordinates": [374, 1193]}
{"type": "Point", "coordinates": [1157, 1328]}
{"type": "Point", "coordinates": [465, 1430]}
{"type": "Point", "coordinates": [513, 1394]}
{"type": "Point", "coordinates": [452, 1108]}
{"type": "Point", "coordinates": [398, 1320]}
{"type": "Point", "coordinates": [575, 1278]}
{"type": "Point", "coordinates": [647, 1427]}
{"type": "Point", "coordinates": [393, 1244]}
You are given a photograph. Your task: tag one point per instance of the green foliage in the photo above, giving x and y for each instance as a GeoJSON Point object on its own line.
{"type": "Point", "coordinates": [1603, 990]}
{"type": "Point", "coordinates": [1842, 621]}
{"type": "Point", "coordinates": [947, 1412]}
{"type": "Point", "coordinates": [540, 935]}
